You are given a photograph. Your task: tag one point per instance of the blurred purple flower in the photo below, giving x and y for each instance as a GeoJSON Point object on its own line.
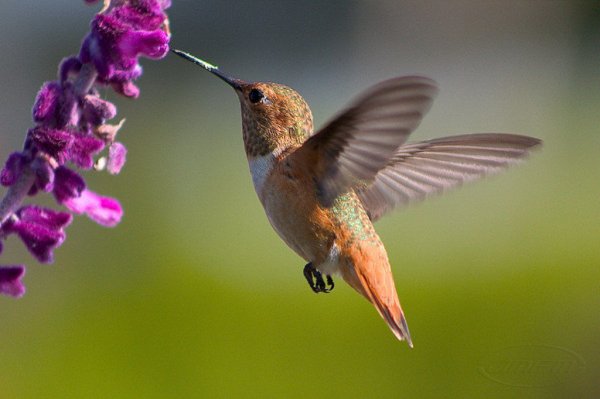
{"type": "Point", "coordinates": [41, 229]}
{"type": "Point", "coordinates": [116, 158]}
{"type": "Point", "coordinates": [71, 128]}
{"type": "Point", "coordinates": [46, 102]}
{"type": "Point", "coordinates": [97, 111]}
{"type": "Point", "coordinates": [53, 142]}
{"type": "Point", "coordinates": [67, 184]}
{"type": "Point", "coordinates": [12, 168]}
{"type": "Point", "coordinates": [83, 150]}
{"type": "Point", "coordinates": [44, 174]}
{"type": "Point", "coordinates": [120, 35]}
{"type": "Point", "coordinates": [10, 280]}
{"type": "Point", "coordinates": [102, 210]}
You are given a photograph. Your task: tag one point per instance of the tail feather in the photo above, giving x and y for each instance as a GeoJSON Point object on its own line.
{"type": "Point", "coordinates": [376, 283]}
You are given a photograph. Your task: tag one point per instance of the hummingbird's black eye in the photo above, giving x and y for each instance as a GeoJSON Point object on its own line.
{"type": "Point", "coordinates": [255, 96]}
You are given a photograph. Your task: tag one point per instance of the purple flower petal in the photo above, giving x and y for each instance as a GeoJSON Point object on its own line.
{"type": "Point", "coordinates": [141, 14]}
{"type": "Point", "coordinates": [117, 154]}
{"type": "Point", "coordinates": [152, 44]}
{"type": "Point", "coordinates": [122, 75]}
{"type": "Point", "coordinates": [46, 102]}
{"type": "Point", "coordinates": [53, 142]}
{"type": "Point", "coordinates": [39, 240]}
{"type": "Point", "coordinates": [83, 150]}
{"type": "Point", "coordinates": [67, 184]}
{"type": "Point", "coordinates": [10, 280]}
{"type": "Point", "coordinates": [97, 111]}
{"type": "Point", "coordinates": [45, 217]}
{"type": "Point", "coordinates": [12, 169]}
{"type": "Point", "coordinates": [44, 174]}
{"type": "Point", "coordinates": [101, 46]}
{"type": "Point", "coordinates": [40, 229]}
{"type": "Point", "coordinates": [164, 4]}
{"type": "Point", "coordinates": [67, 66]}
{"type": "Point", "coordinates": [103, 210]}
{"type": "Point", "coordinates": [128, 89]}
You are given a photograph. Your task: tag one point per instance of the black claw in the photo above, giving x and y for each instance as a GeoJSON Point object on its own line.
{"type": "Point", "coordinates": [330, 283]}
{"type": "Point", "coordinates": [320, 283]}
{"type": "Point", "coordinates": [315, 280]}
{"type": "Point", "coordinates": [308, 274]}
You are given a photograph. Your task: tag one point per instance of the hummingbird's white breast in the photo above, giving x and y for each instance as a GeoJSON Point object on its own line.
{"type": "Point", "coordinates": [260, 168]}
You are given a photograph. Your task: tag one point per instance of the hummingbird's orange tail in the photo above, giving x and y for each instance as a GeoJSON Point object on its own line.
{"type": "Point", "coordinates": [376, 283]}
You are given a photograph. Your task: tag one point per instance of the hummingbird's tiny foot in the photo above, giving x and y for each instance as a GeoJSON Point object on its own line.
{"type": "Point", "coordinates": [315, 279]}
{"type": "Point", "coordinates": [309, 275]}
{"type": "Point", "coordinates": [319, 282]}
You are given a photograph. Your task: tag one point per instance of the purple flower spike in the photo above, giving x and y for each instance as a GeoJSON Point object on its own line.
{"type": "Point", "coordinates": [105, 211]}
{"type": "Point", "coordinates": [67, 184]}
{"type": "Point", "coordinates": [71, 128]}
{"type": "Point", "coordinates": [116, 158]}
{"type": "Point", "coordinates": [10, 280]}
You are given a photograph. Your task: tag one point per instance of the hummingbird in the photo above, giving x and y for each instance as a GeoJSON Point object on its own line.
{"type": "Point", "coordinates": [322, 191]}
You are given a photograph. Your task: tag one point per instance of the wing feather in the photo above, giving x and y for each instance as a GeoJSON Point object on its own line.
{"type": "Point", "coordinates": [360, 141]}
{"type": "Point", "coordinates": [418, 170]}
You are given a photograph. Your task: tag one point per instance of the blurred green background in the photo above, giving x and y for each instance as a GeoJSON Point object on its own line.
{"type": "Point", "coordinates": [194, 295]}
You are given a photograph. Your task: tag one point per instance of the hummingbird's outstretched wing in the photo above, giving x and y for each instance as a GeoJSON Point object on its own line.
{"type": "Point", "coordinates": [360, 141]}
{"type": "Point", "coordinates": [418, 170]}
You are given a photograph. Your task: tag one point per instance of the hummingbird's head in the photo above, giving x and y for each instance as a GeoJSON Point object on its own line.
{"type": "Point", "coordinates": [274, 117]}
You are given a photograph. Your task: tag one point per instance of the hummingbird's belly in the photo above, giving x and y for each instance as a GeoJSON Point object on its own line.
{"type": "Point", "coordinates": [306, 238]}
{"type": "Point", "coordinates": [292, 209]}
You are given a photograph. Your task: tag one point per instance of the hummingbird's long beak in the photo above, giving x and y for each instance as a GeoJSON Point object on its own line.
{"type": "Point", "coordinates": [235, 83]}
